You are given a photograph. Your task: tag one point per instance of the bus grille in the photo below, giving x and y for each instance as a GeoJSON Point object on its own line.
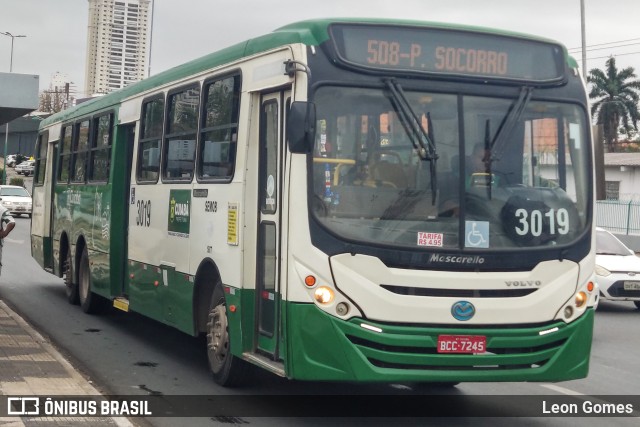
{"type": "Point", "coordinates": [459, 293]}
{"type": "Point", "coordinates": [415, 348]}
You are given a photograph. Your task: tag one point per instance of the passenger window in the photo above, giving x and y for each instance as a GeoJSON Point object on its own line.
{"type": "Point", "coordinates": [41, 158]}
{"type": "Point", "coordinates": [100, 160]}
{"type": "Point", "coordinates": [180, 139]}
{"type": "Point", "coordinates": [65, 154]}
{"type": "Point", "coordinates": [219, 134]}
{"type": "Point", "coordinates": [150, 140]}
{"type": "Point", "coordinates": [80, 147]}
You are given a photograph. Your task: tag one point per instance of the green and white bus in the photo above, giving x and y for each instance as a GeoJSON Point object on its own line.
{"type": "Point", "coordinates": [309, 201]}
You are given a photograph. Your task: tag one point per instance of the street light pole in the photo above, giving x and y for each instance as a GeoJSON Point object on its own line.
{"type": "Point", "coordinates": [6, 128]}
{"type": "Point", "coordinates": [584, 41]}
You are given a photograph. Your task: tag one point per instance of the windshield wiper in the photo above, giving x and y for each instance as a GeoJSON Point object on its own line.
{"type": "Point", "coordinates": [510, 120]}
{"type": "Point", "coordinates": [421, 140]}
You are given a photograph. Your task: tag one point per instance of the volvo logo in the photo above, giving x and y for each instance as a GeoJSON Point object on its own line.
{"type": "Point", "coordinates": [463, 310]}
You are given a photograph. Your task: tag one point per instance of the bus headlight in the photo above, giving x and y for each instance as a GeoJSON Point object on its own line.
{"type": "Point", "coordinates": [323, 295]}
{"type": "Point", "coordinates": [581, 299]}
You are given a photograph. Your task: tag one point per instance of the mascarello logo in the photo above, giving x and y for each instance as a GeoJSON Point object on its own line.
{"type": "Point", "coordinates": [463, 310]}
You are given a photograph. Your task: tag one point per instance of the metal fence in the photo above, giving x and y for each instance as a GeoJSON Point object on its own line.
{"type": "Point", "coordinates": [619, 216]}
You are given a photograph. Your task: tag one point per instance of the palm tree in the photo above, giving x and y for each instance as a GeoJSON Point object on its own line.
{"type": "Point", "coordinates": [615, 100]}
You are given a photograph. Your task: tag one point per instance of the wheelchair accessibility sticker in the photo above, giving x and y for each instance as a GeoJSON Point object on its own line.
{"type": "Point", "coordinates": [476, 234]}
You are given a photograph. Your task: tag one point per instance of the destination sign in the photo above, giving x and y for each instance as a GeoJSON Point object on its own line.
{"type": "Point", "coordinates": [450, 52]}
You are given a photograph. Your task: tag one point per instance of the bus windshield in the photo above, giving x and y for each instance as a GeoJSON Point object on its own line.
{"type": "Point", "coordinates": [501, 173]}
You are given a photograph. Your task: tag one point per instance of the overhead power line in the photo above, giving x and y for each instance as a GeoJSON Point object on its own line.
{"type": "Point", "coordinates": [617, 54]}
{"type": "Point", "coordinates": [603, 44]}
{"type": "Point", "coordinates": [609, 47]}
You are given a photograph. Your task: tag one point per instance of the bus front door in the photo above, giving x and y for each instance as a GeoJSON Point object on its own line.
{"type": "Point", "coordinates": [268, 294]}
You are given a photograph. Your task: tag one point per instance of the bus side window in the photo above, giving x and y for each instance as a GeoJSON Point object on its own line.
{"type": "Point", "coordinates": [80, 146]}
{"type": "Point", "coordinates": [41, 158]}
{"type": "Point", "coordinates": [180, 137]}
{"type": "Point", "coordinates": [219, 128]}
{"type": "Point", "coordinates": [100, 157]}
{"type": "Point", "coordinates": [65, 154]}
{"type": "Point", "coordinates": [149, 140]}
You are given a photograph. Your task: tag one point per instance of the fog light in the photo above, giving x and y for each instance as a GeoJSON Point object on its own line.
{"type": "Point", "coordinates": [323, 295]}
{"type": "Point", "coordinates": [581, 299]}
{"type": "Point", "coordinates": [568, 311]}
{"type": "Point", "coordinates": [342, 309]}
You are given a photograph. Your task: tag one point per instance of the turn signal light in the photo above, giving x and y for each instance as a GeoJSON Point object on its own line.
{"type": "Point", "coordinates": [310, 281]}
{"type": "Point", "coordinates": [590, 286]}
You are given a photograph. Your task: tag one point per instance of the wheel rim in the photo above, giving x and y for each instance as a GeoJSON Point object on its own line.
{"type": "Point", "coordinates": [84, 280]}
{"type": "Point", "coordinates": [217, 337]}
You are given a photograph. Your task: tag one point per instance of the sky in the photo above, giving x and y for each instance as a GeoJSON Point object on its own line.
{"type": "Point", "coordinates": [56, 30]}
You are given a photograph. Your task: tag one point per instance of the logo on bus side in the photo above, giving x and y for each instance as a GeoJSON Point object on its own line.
{"type": "Point", "coordinates": [179, 213]}
{"type": "Point", "coordinates": [463, 310]}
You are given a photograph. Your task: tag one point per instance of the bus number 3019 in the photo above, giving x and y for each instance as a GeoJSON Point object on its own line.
{"type": "Point", "coordinates": [143, 218]}
{"type": "Point", "coordinates": [533, 222]}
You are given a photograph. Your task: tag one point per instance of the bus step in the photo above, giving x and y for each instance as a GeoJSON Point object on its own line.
{"type": "Point", "coordinates": [121, 303]}
{"type": "Point", "coordinates": [275, 367]}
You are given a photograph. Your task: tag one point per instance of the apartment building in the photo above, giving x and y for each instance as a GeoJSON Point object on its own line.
{"type": "Point", "coordinates": [118, 44]}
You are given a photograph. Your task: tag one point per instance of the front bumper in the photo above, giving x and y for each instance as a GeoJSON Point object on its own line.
{"type": "Point", "coordinates": [326, 348]}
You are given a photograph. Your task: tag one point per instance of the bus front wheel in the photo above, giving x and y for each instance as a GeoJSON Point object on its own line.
{"type": "Point", "coordinates": [227, 370]}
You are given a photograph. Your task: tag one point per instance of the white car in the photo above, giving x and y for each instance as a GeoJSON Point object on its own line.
{"type": "Point", "coordinates": [25, 167]}
{"type": "Point", "coordinates": [11, 160]}
{"type": "Point", "coordinates": [617, 269]}
{"type": "Point", "coordinates": [16, 200]}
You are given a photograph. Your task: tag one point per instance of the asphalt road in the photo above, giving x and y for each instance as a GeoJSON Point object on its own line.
{"type": "Point", "coordinates": [126, 354]}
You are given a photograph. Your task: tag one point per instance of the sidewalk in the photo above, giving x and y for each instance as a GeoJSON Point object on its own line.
{"type": "Point", "coordinates": [31, 366]}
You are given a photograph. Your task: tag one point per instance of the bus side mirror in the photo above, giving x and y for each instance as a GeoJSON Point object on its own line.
{"type": "Point", "coordinates": [301, 126]}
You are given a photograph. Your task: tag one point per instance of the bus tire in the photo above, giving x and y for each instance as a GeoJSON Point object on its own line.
{"type": "Point", "coordinates": [71, 286]}
{"type": "Point", "coordinates": [227, 370]}
{"type": "Point", "coordinates": [89, 301]}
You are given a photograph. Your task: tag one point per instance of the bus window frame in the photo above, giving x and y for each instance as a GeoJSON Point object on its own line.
{"type": "Point", "coordinates": [93, 145]}
{"type": "Point", "coordinates": [202, 129]}
{"type": "Point", "coordinates": [43, 137]}
{"type": "Point", "coordinates": [62, 153]}
{"type": "Point", "coordinates": [166, 136]}
{"type": "Point", "coordinates": [141, 140]}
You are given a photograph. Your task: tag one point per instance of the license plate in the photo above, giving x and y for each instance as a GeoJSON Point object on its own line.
{"type": "Point", "coordinates": [632, 286]}
{"type": "Point", "coordinates": [462, 344]}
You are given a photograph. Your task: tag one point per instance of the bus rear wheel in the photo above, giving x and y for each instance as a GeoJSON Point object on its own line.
{"type": "Point", "coordinates": [89, 302]}
{"type": "Point", "coordinates": [71, 288]}
{"type": "Point", "coordinates": [227, 370]}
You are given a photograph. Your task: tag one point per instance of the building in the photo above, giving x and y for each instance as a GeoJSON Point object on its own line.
{"type": "Point", "coordinates": [622, 176]}
{"type": "Point", "coordinates": [118, 44]}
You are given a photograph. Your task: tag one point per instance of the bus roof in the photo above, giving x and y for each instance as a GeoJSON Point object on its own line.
{"type": "Point", "coordinates": [310, 32]}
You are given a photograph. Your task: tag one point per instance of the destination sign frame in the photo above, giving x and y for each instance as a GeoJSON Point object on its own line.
{"type": "Point", "coordinates": [447, 52]}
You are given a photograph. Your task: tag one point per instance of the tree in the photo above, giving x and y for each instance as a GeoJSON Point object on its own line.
{"type": "Point", "coordinates": [615, 100]}
{"type": "Point", "coordinates": [54, 99]}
